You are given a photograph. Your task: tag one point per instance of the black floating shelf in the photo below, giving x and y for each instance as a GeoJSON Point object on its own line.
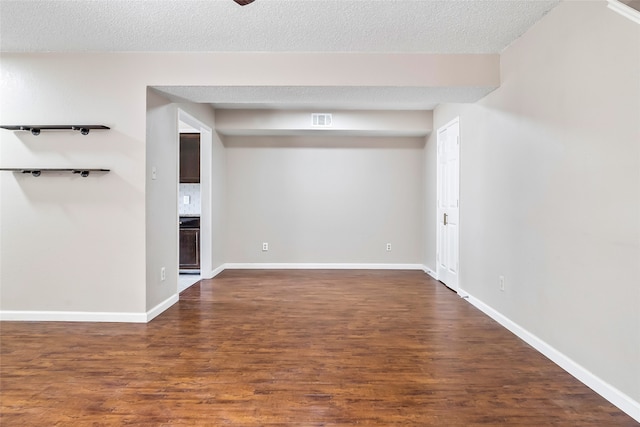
{"type": "Point", "coordinates": [84, 172]}
{"type": "Point", "coordinates": [35, 129]}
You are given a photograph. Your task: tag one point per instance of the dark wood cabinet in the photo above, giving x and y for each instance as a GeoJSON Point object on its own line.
{"type": "Point", "coordinates": [189, 158]}
{"type": "Point", "coordinates": [190, 249]}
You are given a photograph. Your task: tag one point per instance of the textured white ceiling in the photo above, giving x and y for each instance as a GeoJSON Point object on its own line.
{"type": "Point", "coordinates": [388, 26]}
{"type": "Point", "coordinates": [430, 26]}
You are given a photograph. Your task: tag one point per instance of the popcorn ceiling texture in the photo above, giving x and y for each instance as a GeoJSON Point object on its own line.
{"type": "Point", "coordinates": [472, 26]}
{"type": "Point", "coordinates": [290, 26]}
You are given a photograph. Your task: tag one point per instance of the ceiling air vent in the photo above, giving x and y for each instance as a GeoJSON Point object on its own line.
{"type": "Point", "coordinates": [321, 120]}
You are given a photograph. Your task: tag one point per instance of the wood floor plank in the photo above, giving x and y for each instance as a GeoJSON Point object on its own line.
{"type": "Point", "coordinates": [292, 348]}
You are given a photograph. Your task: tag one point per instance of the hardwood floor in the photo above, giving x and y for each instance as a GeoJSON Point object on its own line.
{"type": "Point", "coordinates": [292, 348]}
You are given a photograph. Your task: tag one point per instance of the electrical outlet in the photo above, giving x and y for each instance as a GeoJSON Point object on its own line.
{"type": "Point", "coordinates": [388, 247]}
{"type": "Point", "coordinates": [265, 247]}
{"type": "Point", "coordinates": [154, 172]}
{"type": "Point", "coordinates": [163, 274]}
{"type": "Point", "coordinates": [501, 283]}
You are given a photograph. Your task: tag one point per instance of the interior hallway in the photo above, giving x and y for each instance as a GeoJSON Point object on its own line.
{"type": "Point", "coordinates": [187, 280]}
{"type": "Point", "coordinates": [293, 348]}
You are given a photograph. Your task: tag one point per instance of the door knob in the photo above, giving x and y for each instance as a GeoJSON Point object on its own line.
{"type": "Point", "coordinates": [445, 219]}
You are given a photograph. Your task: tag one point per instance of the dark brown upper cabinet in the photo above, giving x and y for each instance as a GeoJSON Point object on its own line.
{"type": "Point", "coordinates": [189, 158]}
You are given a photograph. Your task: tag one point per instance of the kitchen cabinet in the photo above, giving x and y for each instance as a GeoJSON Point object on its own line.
{"type": "Point", "coordinates": [189, 243]}
{"type": "Point", "coordinates": [189, 158]}
{"type": "Point", "coordinates": [189, 249]}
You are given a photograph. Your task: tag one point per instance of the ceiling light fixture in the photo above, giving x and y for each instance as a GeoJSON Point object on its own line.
{"type": "Point", "coordinates": [243, 2]}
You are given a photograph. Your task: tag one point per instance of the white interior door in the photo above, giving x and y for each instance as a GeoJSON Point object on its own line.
{"type": "Point", "coordinates": [448, 177]}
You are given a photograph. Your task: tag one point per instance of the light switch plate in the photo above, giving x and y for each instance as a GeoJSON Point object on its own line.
{"type": "Point", "coordinates": [186, 200]}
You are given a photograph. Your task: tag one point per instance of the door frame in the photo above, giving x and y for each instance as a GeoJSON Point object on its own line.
{"type": "Point", "coordinates": [456, 288]}
{"type": "Point", "coordinates": [206, 223]}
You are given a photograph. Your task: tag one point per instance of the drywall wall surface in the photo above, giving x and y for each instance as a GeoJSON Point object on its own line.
{"type": "Point", "coordinates": [343, 122]}
{"type": "Point", "coordinates": [161, 219]}
{"type": "Point", "coordinates": [78, 245]}
{"type": "Point", "coordinates": [550, 189]}
{"type": "Point", "coordinates": [319, 200]}
{"type": "Point", "coordinates": [326, 69]}
{"type": "Point", "coordinates": [430, 180]}
{"type": "Point", "coordinates": [71, 244]}
{"type": "Point", "coordinates": [162, 195]}
{"type": "Point", "coordinates": [218, 208]}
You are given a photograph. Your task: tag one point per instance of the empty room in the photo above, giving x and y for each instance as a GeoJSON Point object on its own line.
{"type": "Point", "coordinates": [320, 213]}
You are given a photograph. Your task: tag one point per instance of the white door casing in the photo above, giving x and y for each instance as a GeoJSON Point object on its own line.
{"type": "Point", "coordinates": [206, 215]}
{"type": "Point", "coordinates": [448, 195]}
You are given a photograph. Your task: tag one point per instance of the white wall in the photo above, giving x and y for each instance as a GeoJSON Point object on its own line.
{"type": "Point", "coordinates": [73, 246]}
{"type": "Point", "coordinates": [162, 194]}
{"type": "Point", "coordinates": [430, 178]}
{"type": "Point", "coordinates": [344, 122]}
{"type": "Point", "coordinates": [550, 189]}
{"type": "Point", "coordinates": [325, 200]}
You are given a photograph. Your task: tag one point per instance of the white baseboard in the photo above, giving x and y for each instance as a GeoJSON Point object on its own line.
{"type": "Point", "coordinates": [82, 316]}
{"type": "Point", "coordinates": [604, 389]}
{"type": "Point", "coordinates": [87, 316]}
{"type": "Point", "coordinates": [624, 10]}
{"type": "Point", "coordinates": [213, 273]}
{"type": "Point", "coordinates": [321, 266]}
{"type": "Point", "coordinates": [72, 316]}
{"type": "Point", "coordinates": [430, 272]}
{"type": "Point", "coordinates": [160, 308]}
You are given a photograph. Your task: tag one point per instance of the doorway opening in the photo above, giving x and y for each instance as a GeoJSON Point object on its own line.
{"type": "Point", "coordinates": [194, 200]}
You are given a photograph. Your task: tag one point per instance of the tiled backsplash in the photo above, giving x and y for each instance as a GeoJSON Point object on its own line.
{"type": "Point", "coordinates": [193, 192]}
